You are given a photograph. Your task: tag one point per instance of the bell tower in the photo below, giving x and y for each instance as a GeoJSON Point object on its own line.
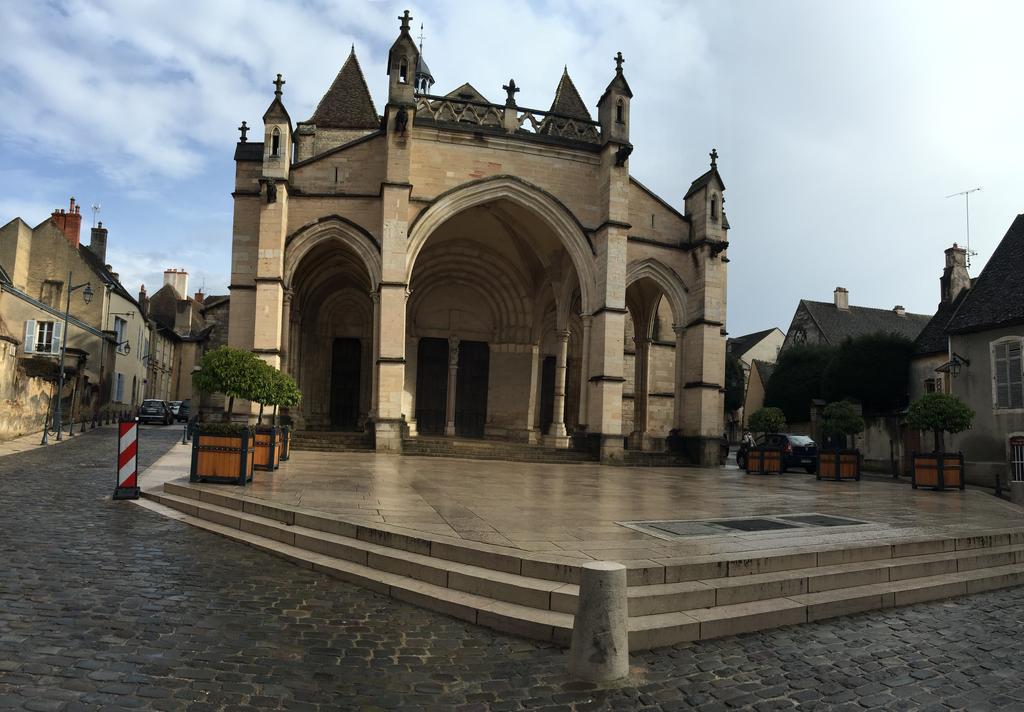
{"type": "Point", "coordinates": [277, 137]}
{"type": "Point", "coordinates": [402, 63]}
{"type": "Point", "coordinates": [613, 107]}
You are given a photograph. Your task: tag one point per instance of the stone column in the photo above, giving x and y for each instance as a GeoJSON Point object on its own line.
{"type": "Point", "coordinates": [453, 374]}
{"type": "Point", "coordinates": [286, 329]}
{"type": "Point", "coordinates": [677, 410]}
{"type": "Point", "coordinates": [411, 375]}
{"type": "Point", "coordinates": [556, 435]}
{"type": "Point", "coordinates": [531, 405]}
{"type": "Point", "coordinates": [641, 389]}
{"type": "Point", "coordinates": [375, 330]}
{"type": "Point", "coordinates": [585, 371]}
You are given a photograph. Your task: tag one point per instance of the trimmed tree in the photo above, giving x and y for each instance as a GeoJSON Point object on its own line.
{"type": "Point", "coordinates": [841, 419]}
{"type": "Point", "coordinates": [232, 372]}
{"type": "Point", "coordinates": [796, 380]}
{"type": "Point", "coordinates": [940, 413]}
{"type": "Point", "coordinates": [286, 392]}
{"type": "Point", "coordinates": [767, 420]}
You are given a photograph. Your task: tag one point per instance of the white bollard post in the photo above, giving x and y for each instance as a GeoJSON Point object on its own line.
{"type": "Point", "coordinates": [600, 631]}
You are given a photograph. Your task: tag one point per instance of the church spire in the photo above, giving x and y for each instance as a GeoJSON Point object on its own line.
{"type": "Point", "coordinates": [347, 104]}
{"type": "Point", "coordinates": [567, 100]}
{"type": "Point", "coordinates": [424, 79]}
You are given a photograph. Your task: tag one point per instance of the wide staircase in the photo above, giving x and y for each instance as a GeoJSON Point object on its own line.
{"type": "Point", "coordinates": [330, 441]}
{"type": "Point", "coordinates": [670, 601]}
{"type": "Point", "coordinates": [476, 449]}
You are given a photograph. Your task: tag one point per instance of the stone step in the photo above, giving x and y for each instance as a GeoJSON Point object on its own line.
{"type": "Point", "coordinates": [646, 629]}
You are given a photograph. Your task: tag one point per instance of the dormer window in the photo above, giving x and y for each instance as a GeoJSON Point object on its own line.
{"type": "Point", "coordinates": [275, 143]}
{"type": "Point", "coordinates": [403, 71]}
{"type": "Point", "coordinates": [619, 110]}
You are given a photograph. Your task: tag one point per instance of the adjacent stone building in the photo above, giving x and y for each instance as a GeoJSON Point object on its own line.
{"type": "Point", "coordinates": [457, 266]}
{"type": "Point", "coordinates": [829, 323]}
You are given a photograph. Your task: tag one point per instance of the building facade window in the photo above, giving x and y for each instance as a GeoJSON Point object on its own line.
{"type": "Point", "coordinates": [275, 142]}
{"type": "Point", "coordinates": [1007, 373]}
{"type": "Point", "coordinates": [932, 385]}
{"type": "Point", "coordinates": [619, 112]}
{"type": "Point", "coordinates": [120, 327]}
{"type": "Point", "coordinates": [118, 395]}
{"type": "Point", "coordinates": [43, 337]}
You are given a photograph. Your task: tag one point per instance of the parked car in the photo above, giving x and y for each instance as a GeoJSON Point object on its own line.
{"type": "Point", "coordinates": [174, 406]}
{"type": "Point", "coordinates": [184, 411]}
{"type": "Point", "coordinates": [797, 451]}
{"type": "Point", "coordinates": [156, 411]}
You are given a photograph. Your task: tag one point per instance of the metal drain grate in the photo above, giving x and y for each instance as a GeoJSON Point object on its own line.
{"type": "Point", "coordinates": [677, 529]}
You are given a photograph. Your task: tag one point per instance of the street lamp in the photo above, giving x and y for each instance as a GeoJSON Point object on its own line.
{"type": "Point", "coordinates": [58, 419]}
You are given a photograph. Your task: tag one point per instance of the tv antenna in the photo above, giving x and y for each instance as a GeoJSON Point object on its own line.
{"type": "Point", "coordinates": [967, 205]}
{"type": "Point", "coordinates": [96, 207]}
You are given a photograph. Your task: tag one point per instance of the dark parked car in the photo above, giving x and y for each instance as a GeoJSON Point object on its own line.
{"type": "Point", "coordinates": [797, 451]}
{"type": "Point", "coordinates": [156, 411]}
{"type": "Point", "coordinates": [184, 411]}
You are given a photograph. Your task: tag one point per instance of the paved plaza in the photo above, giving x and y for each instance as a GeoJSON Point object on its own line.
{"type": "Point", "coordinates": [105, 605]}
{"type": "Point", "coordinates": [576, 510]}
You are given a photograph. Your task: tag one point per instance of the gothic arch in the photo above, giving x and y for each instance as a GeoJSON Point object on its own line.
{"type": "Point", "coordinates": [553, 213]}
{"type": "Point", "coordinates": [666, 278]}
{"type": "Point", "coordinates": [300, 242]}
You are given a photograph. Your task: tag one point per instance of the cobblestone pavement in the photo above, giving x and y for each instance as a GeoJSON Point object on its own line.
{"type": "Point", "coordinates": [105, 605]}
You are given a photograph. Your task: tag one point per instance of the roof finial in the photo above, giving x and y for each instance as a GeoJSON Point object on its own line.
{"type": "Point", "coordinates": [511, 88]}
{"type": "Point", "coordinates": [421, 38]}
{"type": "Point", "coordinates": [714, 157]}
{"type": "Point", "coordinates": [405, 18]}
{"type": "Point", "coordinates": [618, 63]}
{"type": "Point", "coordinates": [243, 129]}
{"type": "Point", "coordinates": [277, 85]}
{"type": "Point", "coordinates": [352, 52]}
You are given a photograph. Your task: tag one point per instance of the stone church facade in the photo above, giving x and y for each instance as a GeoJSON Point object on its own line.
{"type": "Point", "coordinates": [460, 267]}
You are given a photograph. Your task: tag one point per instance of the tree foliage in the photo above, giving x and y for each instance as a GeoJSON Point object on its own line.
{"type": "Point", "coordinates": [767, 420]}
{"type": "Point", "coordinates": [734, 382]}
{"type": "Point", "coordinates": [841, 419]}
{"type": "Point", "coordinates": [872, 369]}
{"type": "Point", "coordinates": [796, 380]}
{"type": "Point", "coordinates": [232, 372]}
{"type": "Point", "coordinates": [940, 413]}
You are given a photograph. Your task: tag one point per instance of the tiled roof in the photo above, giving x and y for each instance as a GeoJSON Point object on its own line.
{"type": "Point", "coordinates": [249, 151]}
{"type": "Point", "coordinates": [567, 99]}
{"type": "Point", "coordinates": [703, 181]}
{"type": "Point", "coordinates": [839, 324]}
{"type": "Point", "coordinates": [997, 295]}
{"type": "Point", "coordinates": [106, 275]}
{"type": "Point", "coordinates": [347, 104]}
{"type": "Point", "coordinates": [741, 344]}
{"type": "Point", "coordinates": [932, 339]}
{"type": "Point", "coordinates": [467, 92]}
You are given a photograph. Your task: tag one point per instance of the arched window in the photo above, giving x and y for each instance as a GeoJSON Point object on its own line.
{"type": "Point", "coordinates": [275, 142]}
{"type": "Point", "coordinates": [714, 207]}
{"type": "Point", "coordinates": [619, 109]}
{"type": "Point", "coordinates": [403, 71]}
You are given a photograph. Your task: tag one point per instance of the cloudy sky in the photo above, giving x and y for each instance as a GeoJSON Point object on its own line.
{"type": "Point", "coordinates": [841, 126]}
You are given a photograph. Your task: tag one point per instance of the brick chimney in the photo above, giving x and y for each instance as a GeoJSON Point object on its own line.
{"type": "Point", "coordinates": [842, 298]}
{"type": "Point", "coordinates": [199, 297]}
{"type": "Point", "coordinates": [143, 300]}
{"type": "Point", "coordinates": [70, 222]}
{"type": "Point", "coordinates": [899, 310]}
{"type": "Point", "coordinates": [98, 242]}
{"type": "Point", "coordinates": [955, 277]}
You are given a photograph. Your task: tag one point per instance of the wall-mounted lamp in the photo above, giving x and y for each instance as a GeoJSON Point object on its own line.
{"type": "Point", "coordinates": [955, 365]}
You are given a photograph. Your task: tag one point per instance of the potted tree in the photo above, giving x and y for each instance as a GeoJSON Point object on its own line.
{"type": "Point", "coordinates": [939, 413]}
{"type": "Point", "coordinates": [840, 421]}
{"type": "Point", "coordinates": [287, 395]}
{"type": "Point", "coordinates": [264, 392]}
{"type": "Point", "coordinates": [225, 451]}
{"type": "Point", "coordinates": [765, 459]}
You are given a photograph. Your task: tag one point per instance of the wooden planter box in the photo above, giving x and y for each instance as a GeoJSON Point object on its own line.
{"type": "Point", "coordinates": [226, 459]}
{"type": "Point", "coordinates": [838, 465]}
{"type": "Point", "coordinates": [764, 461]}
{"type": "Point", "coordinates": [286, 442]}
{"type": "Point", "coordinates": [268, 451]}
{"type": "Point", "coordinates": [938, 470]}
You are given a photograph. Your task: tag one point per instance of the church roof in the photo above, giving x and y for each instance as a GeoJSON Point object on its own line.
{"type": "Point", "coordinates": [422, 68]}
{"type": "Point", "coordinates": [567, 99]}
{"type": "Point", "coordinates": [466, 92]}
{"type": "Point", "coordinates": [740, 345]}
{"type": "Point", "coordinates": [347, 104]}
{"type": "Point", "coordinates": [838, 324]}
{"type": "Point", "coordinates": [703, 181]}
{"type": "Point", "coordinates": [764, 370]}
{"type": "Point", "coordinates": [997, 295]}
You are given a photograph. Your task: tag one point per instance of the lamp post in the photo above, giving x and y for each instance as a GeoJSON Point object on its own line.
{"type": "Point", "coordinates": [58, 419]}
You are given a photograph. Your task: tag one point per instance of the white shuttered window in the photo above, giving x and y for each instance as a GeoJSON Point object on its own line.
{"type": "Point", "coordinates": [1008, 374]}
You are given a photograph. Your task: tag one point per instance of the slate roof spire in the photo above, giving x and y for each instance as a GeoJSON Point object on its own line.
{"type": "Point", "coordinates": [567, 99]}
{"type": "Point", "coordinates": [347, 104]}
